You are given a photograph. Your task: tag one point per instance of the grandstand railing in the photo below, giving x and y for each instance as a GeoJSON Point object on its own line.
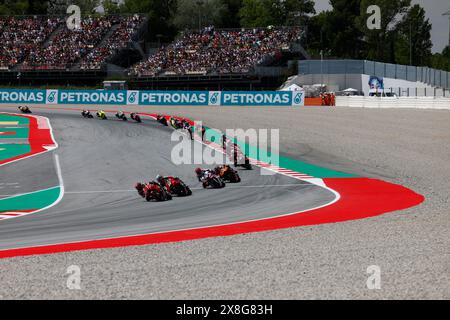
{"type": "Point", "coordinates": [430, 76]}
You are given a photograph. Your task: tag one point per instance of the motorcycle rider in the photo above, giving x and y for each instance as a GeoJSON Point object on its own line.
{"type": "Point", "coordinates": [167, 182]}
{"type": "Point", "coordinates": [203, 175]}
{"type": "Point", "coordinates": [120, 113]}
{"type": "Point", "coordinates": [222, 170]}
{"type": "Point", "coordinates": [101, 114]}
{"type": "Point", "coordinates": [134, 116]}
{"type": "Point", "coordinates": [161, 119]}
{"type": "Point", "coordinates": [175, 123]}
{"type": "Point", "coordinates": [140, 186]}
{"type": "Point", "coordinates": [187, 126]}
{"type": "Point", "coordinates": [143, 187]}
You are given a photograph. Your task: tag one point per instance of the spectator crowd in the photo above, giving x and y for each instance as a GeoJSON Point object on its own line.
{"type": "Point", "coordinates": [43, 43]}
{"type": "Point", "coordinates": [217, 52]}
{"type": "Point", "coordinates": [21, 36]}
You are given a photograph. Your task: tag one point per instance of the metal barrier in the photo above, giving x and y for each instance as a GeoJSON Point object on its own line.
{"type": "Point", "coordinates": [432, 77]}
{"type": "Point", "coordinates": [402, 102]}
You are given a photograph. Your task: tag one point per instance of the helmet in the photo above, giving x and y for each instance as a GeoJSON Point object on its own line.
{"type": "Point", "coordinates": [159, 178]}
{"type": "Point", "coordinates": [198, 171]}
{"type": "Point", "coordinates": [138, 185]}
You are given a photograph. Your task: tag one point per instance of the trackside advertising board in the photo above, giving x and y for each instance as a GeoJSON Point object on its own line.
{"type": "Point", "coordinates": [22, 96]}
{"type": "Point", "coordinates": [153, 98]}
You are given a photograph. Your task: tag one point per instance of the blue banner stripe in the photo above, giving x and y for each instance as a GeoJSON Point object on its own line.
{"type": "Point", "coordinates": [153, 98]}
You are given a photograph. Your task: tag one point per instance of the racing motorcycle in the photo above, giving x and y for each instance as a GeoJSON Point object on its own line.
{"type": "Point", "coordinates": [179, 188]}
{"type": "Point", "coordinates": [153, 192]}
{"type": "Point", "coordinates": [176, 124]}
{"type": "Point", "coordinates": [213, 181]}
{"type": "Point", "coordinates": [102, 115]}
{"type": "Point", "coordinates": [228, 174]}
{"type": "Point", "coordinates": [121, 116]}
{"type": "Point", "coordinates": [136, 117]}
{"type": "Point", "coordinates": [161, 119]}
{"type": "Point", "coordinates": [24, 109]}
{"type": "Point", "coordinates": [87, 114]}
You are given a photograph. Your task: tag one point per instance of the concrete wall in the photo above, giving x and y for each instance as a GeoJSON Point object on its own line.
{"type": "Point", "coordinates": [402, 102]}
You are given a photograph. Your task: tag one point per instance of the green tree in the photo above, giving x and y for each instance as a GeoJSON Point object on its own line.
{"type": "Point", "coordinates": [336, 32]}
{"type": "Point", "coordinates": [446, 52]}
{"type": "Point", "coordinates": [262, 13]}
{"type": "Point", "coordinates": [413, 45]}
{"type": "Point", "coordinates": [297, 12]}
{"type": "Point", "coordinates": [194, 14]}
{"type": "Point", "coordinates": [14, 7]}
{"type": "Point", "coordinates": [37, 7]}
{"type": "Point", "coordinates": [60, 6]}
{"type": "Point", "coordinates": [259, 13]}
{"type": "Point", "coordinates": [112, 7]}
{"type": "Point", "coordinates": [230, 18]}
{"type": "Point", "coordinates": [441, 60]}
{"type": "Point", "coordinates": [381, 43]}
{"type": "Point", "coordinates": [159, 13]}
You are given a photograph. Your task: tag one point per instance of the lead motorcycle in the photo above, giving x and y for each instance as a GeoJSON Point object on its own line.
{"type": "Point", "coordinates": [24, 109]}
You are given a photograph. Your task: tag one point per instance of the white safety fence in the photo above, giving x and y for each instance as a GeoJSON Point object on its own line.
{"type": "Point", "coordinates": [386, 102]}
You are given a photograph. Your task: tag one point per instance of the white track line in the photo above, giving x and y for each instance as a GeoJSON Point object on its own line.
{"type": "Point", "coordinates": [58, 200]}
{"type": "Point", "coordinates": [61, 185]}
{"type": "Point", "coordinates": [228, 187]}
{"type": "Point", "coordinates": [337, 198]}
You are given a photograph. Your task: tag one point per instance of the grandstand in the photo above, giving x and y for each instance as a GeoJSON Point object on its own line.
{"type": "Point", "coordinates": [22, 36]}
{"type": "Point", "coordinates": [214, 59]}
{"type": "Point", "coordinates": [218, 52]}
{"type": "Point", "coordinates": [41, 50]}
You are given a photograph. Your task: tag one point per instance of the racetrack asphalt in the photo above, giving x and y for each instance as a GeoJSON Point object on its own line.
{"type": "Point", "coordinates": [100, 163]}
{"type": "Point", "coordinates": [411, 247]}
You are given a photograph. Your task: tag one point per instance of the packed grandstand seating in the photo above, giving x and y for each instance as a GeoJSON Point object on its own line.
{"type": "Point", "coordinates": [20, 36]}
{"type": "Point", "coordinates": [119, 39]}
{"type": "Point", "coordinates": [43, 43]}
{"type": "Point", "coordinates": [217, 52]}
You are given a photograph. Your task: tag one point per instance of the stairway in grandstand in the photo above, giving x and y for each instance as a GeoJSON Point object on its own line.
{"type": "Point", "coordinates": [108, 35]}
{"type": "Point", "coordinates": [53, 35]}
{"type": "Point", "coordinates": [46, 43]}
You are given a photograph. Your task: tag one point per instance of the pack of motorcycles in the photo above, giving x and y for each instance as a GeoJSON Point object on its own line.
{"type": "Point", "coordinates": [168, 187]}
{"type": "Point", "coordinates": [173, 186]}
{"type": "Point", "coordinates": [119, 115]}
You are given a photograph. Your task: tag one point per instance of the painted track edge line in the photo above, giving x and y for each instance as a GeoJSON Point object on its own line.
{"type": "Point", "coordinates": [359, 201]}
